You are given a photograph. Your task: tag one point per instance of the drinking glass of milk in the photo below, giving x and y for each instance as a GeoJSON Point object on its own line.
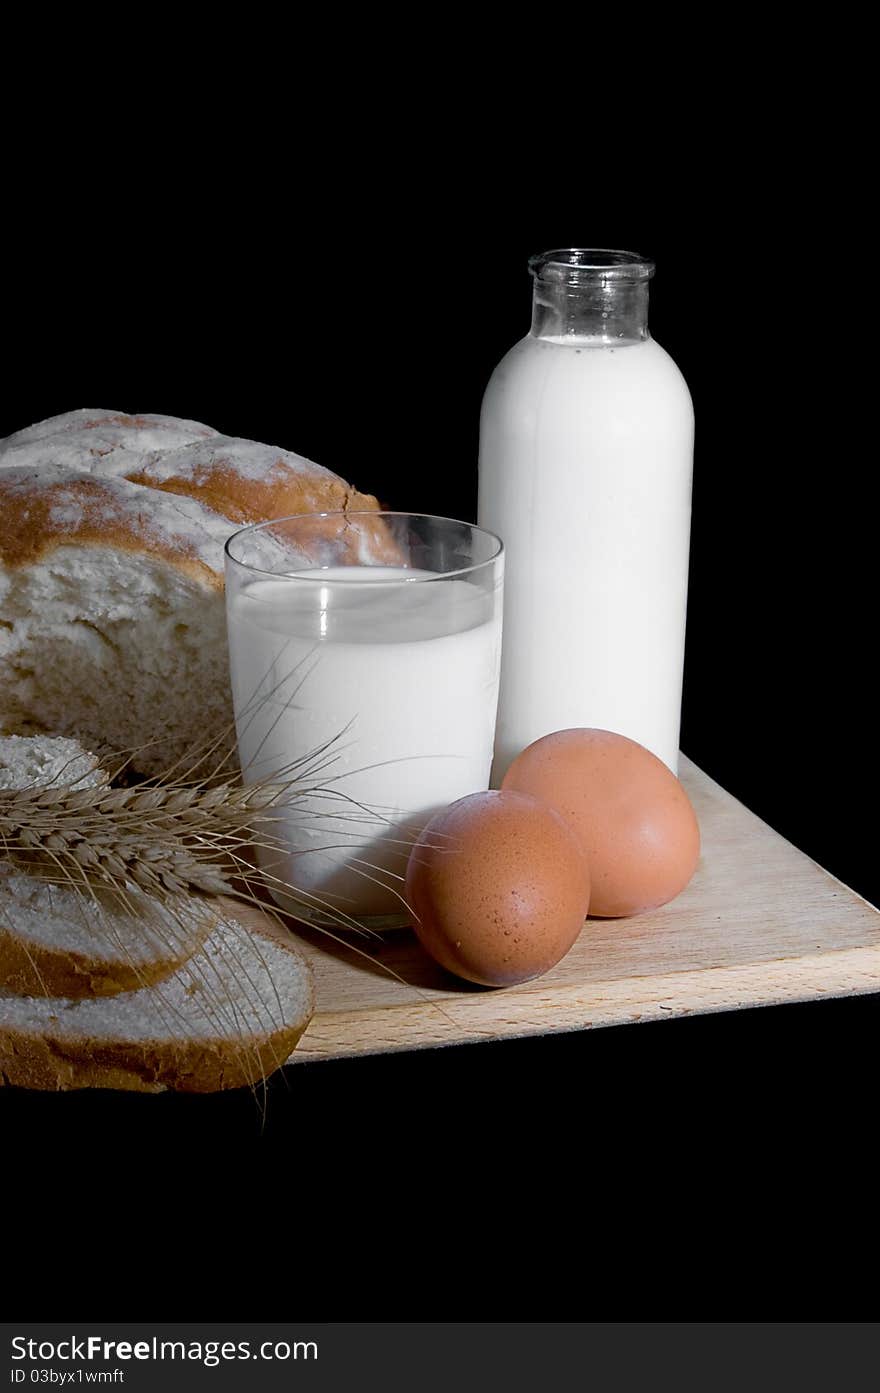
{"type": "Point", "coordinates": [365, 653]}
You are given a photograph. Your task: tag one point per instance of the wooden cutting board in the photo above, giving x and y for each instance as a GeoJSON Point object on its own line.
{"type": "Point", "coordinates": [759, 924]}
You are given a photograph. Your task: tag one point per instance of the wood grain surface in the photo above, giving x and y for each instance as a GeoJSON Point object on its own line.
{"type": "Point", "coordinates": [759, 924]}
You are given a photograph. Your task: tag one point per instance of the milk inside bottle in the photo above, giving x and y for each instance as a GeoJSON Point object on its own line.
{"type": "Point", "coordinates": [586, 447]}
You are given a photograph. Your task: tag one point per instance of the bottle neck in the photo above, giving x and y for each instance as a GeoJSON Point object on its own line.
{"type": "Point", "coordinates": [591, 294]}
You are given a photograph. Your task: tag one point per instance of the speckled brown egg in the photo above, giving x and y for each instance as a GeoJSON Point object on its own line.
{"type": "Point", "coordinates": [631, 813]}
{"type": "Point", "coordinates": [499, 888]}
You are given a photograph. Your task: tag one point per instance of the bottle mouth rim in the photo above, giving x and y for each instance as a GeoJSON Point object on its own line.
{"type": "Point", "coordinates": [590, 263]}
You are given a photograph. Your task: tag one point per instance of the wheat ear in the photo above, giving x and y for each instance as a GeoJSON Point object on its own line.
{"type": "Point", "coordinates": [165, 839]}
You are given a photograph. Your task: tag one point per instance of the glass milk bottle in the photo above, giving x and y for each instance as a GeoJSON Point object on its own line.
{"type": "Point", "coordinates": [586, 448]}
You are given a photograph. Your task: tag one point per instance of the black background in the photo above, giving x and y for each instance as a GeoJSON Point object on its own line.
{"type": "Point", "coordinates": [357, 320]}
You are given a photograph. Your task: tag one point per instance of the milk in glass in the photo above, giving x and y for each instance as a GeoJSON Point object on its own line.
{"type": "Point", "coordinates": [382, 683]}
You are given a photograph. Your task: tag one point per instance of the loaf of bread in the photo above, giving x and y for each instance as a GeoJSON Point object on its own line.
{"type": "Point", "coordinates": [112, 624]}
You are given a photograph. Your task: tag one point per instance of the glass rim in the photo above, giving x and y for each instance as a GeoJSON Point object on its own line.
{"type": "Point", "coordinates": [606, 262]}
{"type": "Point", "coordinates": [364, 513]}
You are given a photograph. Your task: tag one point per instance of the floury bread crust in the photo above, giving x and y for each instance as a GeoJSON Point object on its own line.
{"type": "Point", "coordinates": [241, 480]}
{"type": "Point", "coordinates": [230, 1016]}
{"type": "Point", "coordinates": [99, 431]}
{"type": "Point", "coordinates": [56, 507]}
{"type": "Point", "coordinates": [112, 624]}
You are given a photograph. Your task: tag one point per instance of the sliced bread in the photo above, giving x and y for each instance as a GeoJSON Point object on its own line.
{"type": "Point", "coordinates": [227, 1018]}
{"type": "Point", "coordinates": [56, 940]}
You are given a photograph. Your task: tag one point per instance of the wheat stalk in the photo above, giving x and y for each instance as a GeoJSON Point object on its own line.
{"type": "Point", "coordinates": [179, 835]}
{"type": "Point", "coordinates": [167, 839]}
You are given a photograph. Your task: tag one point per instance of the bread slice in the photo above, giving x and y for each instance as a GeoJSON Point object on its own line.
{"type": "Point", "coordinates": [227, 1018]}
{"type": "Point", "coordinates": [55, 940]}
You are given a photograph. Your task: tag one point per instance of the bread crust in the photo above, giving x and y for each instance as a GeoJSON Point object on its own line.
{"type": "Point", "coordinates": [42, 511]}
{"type": "Point", "coordinates": [247, 482]}
{"type": "Point", "coordinates": [224, 483]}
{"type": "Point", "coordinates": [107, 429]}
{"type": "Point", "coordinates": [207, 1066]}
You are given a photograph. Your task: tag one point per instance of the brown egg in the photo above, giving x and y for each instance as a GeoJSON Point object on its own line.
{"type": "Point", "coordinates": [499, 888]}
{"type": "Point", "coordinates": [632, 815]}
